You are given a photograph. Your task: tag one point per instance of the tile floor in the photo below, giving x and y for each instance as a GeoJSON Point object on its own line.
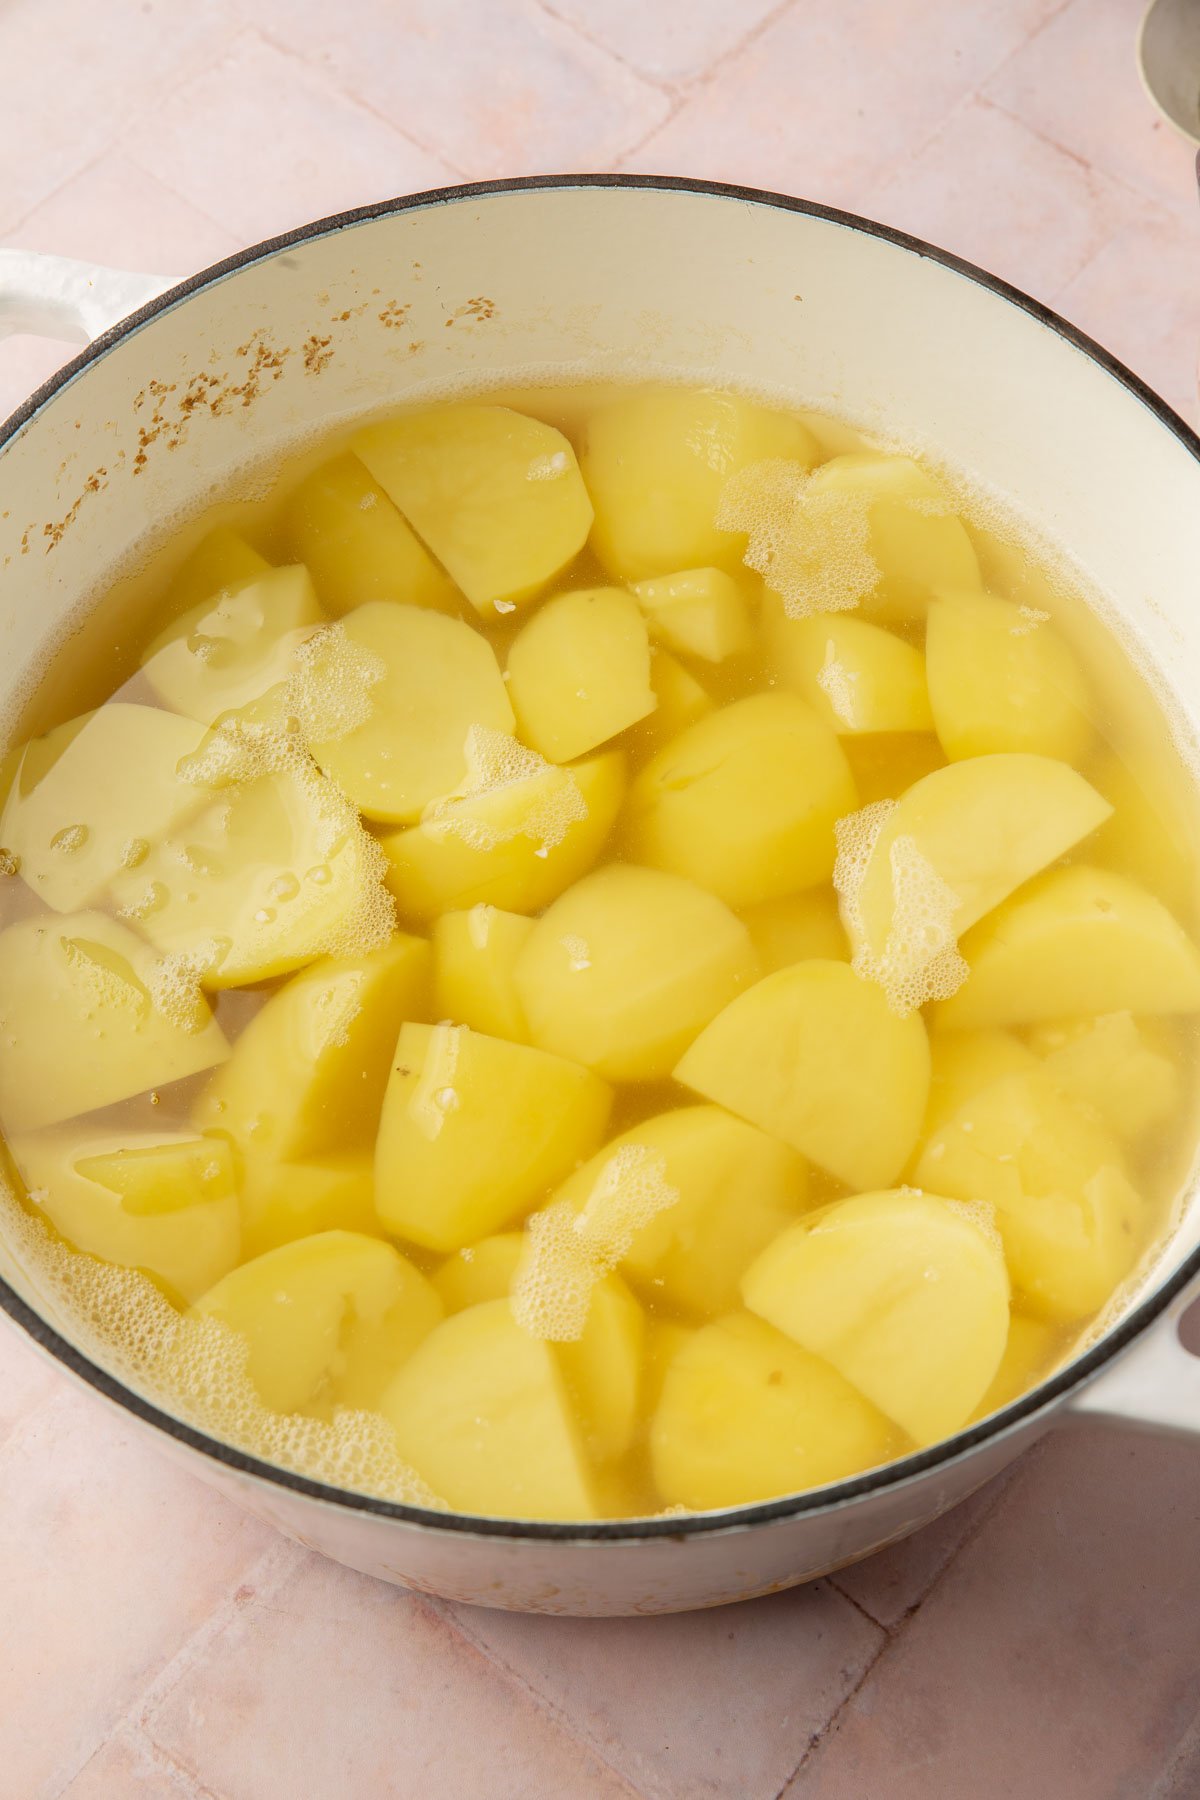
{"type": "Point", "coordinates": [154, 1643]}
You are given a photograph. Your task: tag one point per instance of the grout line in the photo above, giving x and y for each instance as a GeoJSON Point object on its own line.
{"type": "Point", "coordinates": [601, 48]}
{"type": "Point", "coordinates": [1156, 202]}
{"type": "Point", "coordinates": [819, 1737]}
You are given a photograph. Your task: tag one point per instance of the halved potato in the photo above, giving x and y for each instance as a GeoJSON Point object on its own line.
{"type": "Point", "coordinates": [1127, 1070]}
{"type": "Point", "coordinates": [856, 676]}
{"type": "Point", "coordinates": [681, 699]}
{"type": "Point", "coordinates": [699, 612]}
{"type": "Point", "coordinates": [963, 1063]}
{"type": "Point", "coordinates": [283, 1200]}
{"type": "Point", "coordinates": [228, 651]}
{"type": "Point", "coordinates": [602, 1369]}
{"type": "Point", "coordinates": [1002, 679]}
{"type": "Point", "coordinates": [579, 672]}
{"type": "Point", "coordinates": [479, 1272]}
{"type": "Point", "coordinates": [357, 546]}
{"type": "Point", "coordinates": [221, 562]}
{"type": "Point", "coordinates": [474, 981]}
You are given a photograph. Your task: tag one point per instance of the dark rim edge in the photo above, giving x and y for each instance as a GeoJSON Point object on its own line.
{"type": "Point", "coordinates": [905, 1469]}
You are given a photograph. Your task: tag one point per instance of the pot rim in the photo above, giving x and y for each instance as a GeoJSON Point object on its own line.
{"type": "Point", "coordinates": [903, 1470]}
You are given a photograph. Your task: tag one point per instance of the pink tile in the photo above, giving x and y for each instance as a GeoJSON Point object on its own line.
{"type": "Point", "coordinates": [829, 99]}
{"type": "Point", "coordinates": [280, 143]}
{"type": "Point", "coordinates": [27, 1379]}
{"type": "Point", "coordinates": [668, 43]}
{"type": "Point", "coordinates": [1138, 296]}
{"type": "Point", "coordinates": [988, 188]}
{"type": "Point", "coordinates": [129, 1768]}
{"type": "Point", "coordinates": [342, 1685]}
{"type": "Point", "coordinates": [719, 1703]}
{"type": "Point", "coordinates": [109, 1559]}
{"type": "Point", "coordinates": [76, 73]}
{"type": "Point", "coordinates": [1077, 82]}
{"type": "Point", "coordinates": [497, 89]}
{"type": "Point", "coordinates": [1059, 1654]}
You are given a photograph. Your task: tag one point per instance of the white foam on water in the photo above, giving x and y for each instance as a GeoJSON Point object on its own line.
{"type": "Point", "coordinates": [812, 549]}
{"type": "Point", "coordinates": [497, 765]}
{"type": "Point", "coordinates": [920, 959]}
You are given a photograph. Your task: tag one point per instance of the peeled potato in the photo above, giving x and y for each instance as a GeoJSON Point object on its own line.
{"type": "Point", "coordinates": [681, 699]}
{"type": "Point", "coordinates": [84, 1021]}
{"type": "Point", "coordinates": [856, 676]}
{"type": "Point", "coordinates": [1122, 1068]}
{"type": "Point", "coordinates": [475, 958]}
{"type": "Point", "coordinates": [439, 679]}
{"type": "Point", "coordinates": [963, 1063]}
{"type": "Point", "coordinates": [331, 1316]}
{"type": "Point", "coordinates": [602, 1369]}
{"type": "Point", "coordinates": [1151, 834]}
{"type": "Point", "coordinates": [516, 842]}
{"type": "Point", "coordinates": [220, 563]}
{"type": "Point", "coordinates": [1071, 1223]}
{"type": "Point", "coordinates": [745, 1415]}
{"type": "Point", "coordinates": [282, 1200]}
{"type": "Point", "coordinates": [744, 802]}
{"type": "Point", "coordinates": [626, 967]}
{"type": "Point", "coordinates": [475, 1131]}
{"type": "Point", "coordinates": [665, 1338]}
{"type": "Point", "coordinates": [481, 1412]}
{"type": "Point", "coordinates": [1032, 1352]}
{"type": "Point", "coordinates": [655, 462]}
{"type": "Point", "coordinates": [497, 496]}
{"type": "Point", "coordinates": [812, 1055]}
{"type": "Point", "coordinates": [1001, 678]}
{"type": "Point", "coordinates": [308, 1072]}
{"type": "Point", "coordinates": [699, 612]}
{"type": "Point", "coordinates": [165, 1202]}
{"type": "Point", "coordinates": [803, 925]}
{"type": "Point", "coordinates": [579, 672]}
{"type": "Point", "coordinates": [357, 546]}
{"type": "Point", "coordinates": [228, 651]}
{"type": "Point", "coordinates": [904, 1293]}
{"type": "Point", "coordinates": [1079, 940]}
{"type": "Point", "coordinates": [479, 1272]}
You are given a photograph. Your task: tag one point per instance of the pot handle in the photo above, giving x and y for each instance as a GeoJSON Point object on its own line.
{"type": "Point", "coordinates": [57, 297]}
{"type": "Point", "coordinates": [1154, 1385]}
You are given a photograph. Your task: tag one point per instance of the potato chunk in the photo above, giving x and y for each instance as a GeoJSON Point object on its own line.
{"type": "Point", "coordinates": [440, 681]}
{"type": "Point", "coordinates": [736, 1189]}
{"type": "Point", "coordinates": [626, 967]}
{"type": "Point", "coordinates": [812, 1055]}
{"type": "Point", "coordinates": [963, 1063]}
{"type": "Point", "coordinates": [481, 1412]}
{"type": "Point", "coordinates": [1079, 940]}
{"type": "Point", "coordinates": [475, 1131]}
{"type": "Point", "coordinates": [308, 1072]}
{"type": "Point", "coordinates": [699, 612]}
{"type": "Point", "coordinates": [856, 676]}
{"type": "Point", "coordinates": [515, 841]}
{"type": "Point", "coordinates": [480, 1272]}
{"type": "Point", "coordinates": [89, 798]}
{"type": "Point", "coordinates": [1033, 1351]}
{"type": "Point", "coordinates": [221, 562]}
{"type": "Point", "coordinates": [1121, 1067]}
{"type": "Point", "coordinates": [475, 959]}
{"type": "Point", "coordinates": [1001, 678]}
{"type": "Point", "coordinates": [681, 699]}
{"type": "Point", "coordinates": [497, 496]}
{"type": "Point", "coordinates": [84, 1021]}
{"type": "Point", "coordinates": [356, 545]}
{"type": "Point", "coordinates": [787, 931]}
{"type": "Point", "coordinates": [602, 1369]}
{"type": "Point", "coordinates": [231, 648]}
{"type": "Point", "coordinates": [655, 463]}
{"type": "Point", "coordinates": [744, 802]}
{"type": "Point", "coordinates": [1071, 1222]}
{"type": "Point", "coordinates": [904, 1293]}
{"type": "Point", "coordinates": [330, 1317]}
{"type": "Point", "coordinates": [745, 1415]}
{"type": "Point", "coordinates": [579, 672]}
{"type": "Point", "coordinates": [165, 1202]}
{"type": "Point", "coordinates": [283, 1200]}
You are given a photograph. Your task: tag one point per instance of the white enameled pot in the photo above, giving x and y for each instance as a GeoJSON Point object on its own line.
{"type": "Point", "coordinates": [605, 277]}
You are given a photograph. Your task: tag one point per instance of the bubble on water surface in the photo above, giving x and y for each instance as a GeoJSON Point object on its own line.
{"type": "Point", "coordinates": [811, 548]}
{"type": "Point", "coordinates": [920, 959]}
{"type": "Point", "coordinates": [545, 800]}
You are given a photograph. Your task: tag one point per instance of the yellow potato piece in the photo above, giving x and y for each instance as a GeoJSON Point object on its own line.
{"type": "Point", "coordinates": [514, 843]}
{"type": "Point", "coordinates": [736, 1189]}
{"type": "Point", "coordinates": [497, 496]}
{"type": "Point", "coordinates": [626, 967]}
{"type": "Point", "coordinates": [913, 536]}
{"type": "Point", "coordinates": [89, 798]}
{"type": "Point", "coordinates": [746, 1415]}
{"type": "Point", "coordinates": [233, 647]}
{"type": "Point", "coordinates": [475, 1131]}
{"type": "Point", "coordinates": [1126, 1070]}
{"type": "Point", "coordinates": [1151, 834]}
{"type": "Point", "coordinates": [885, 763]}
{"type": "Point", "coordinates": [1001, 678]}
{"type": "Point", "coordinates": [681, 699]}
{"type": "Point", "coordinates": [1033, 1351]}
{"type": "Point", "coordinates": [440, 680]}
{"type": "Point", "coordinates": [787, 931]}
{"type": "Point", "coordinates": [474, 959]}
{"type": "Point", "coordinates": [813, 1055]}
{"type": "Point", "coordinates": [221, 562]}
{"type": "Point", "coordinates": [277, 872]}
{"type": "Point", "coordinates": [1078, 940]}
{"type": "Point", "coordinates": [1071, 1223]}
{"type": "Point", "coordinates": [699, 612]}
{"type": "Point", "coordinates": [963, 1063]}
{"type": "Point", "coordinates": [356, 545]}
{"type": "Point", "coordinates": [327, 1317]}
{"type": "Point", "coordinates": [744, 802]}
{"type": "Point", "coordinates": [85, 1022]}
{"type": "Point", "coordinates": [904, 1293]}
{"type": "Point", "coordinates": [602, 1369]}
{"type": "Point", "coordinates": [579, 672]}
{"type": "Point", "coordinates": [165, 1202]}
{"type": "Point", "coordinates": [481, 1412]}
{"type": "Point", "coordinates": [480, 1272]}
{"type": "Point", "coordinates": [655, 463]}
{"type": "Point", "coordinates": [856, 676]}
{"type": "Point", "coordinates": [284, 1200]}
{"type": "Point", "coordinates": [307, 1073]}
